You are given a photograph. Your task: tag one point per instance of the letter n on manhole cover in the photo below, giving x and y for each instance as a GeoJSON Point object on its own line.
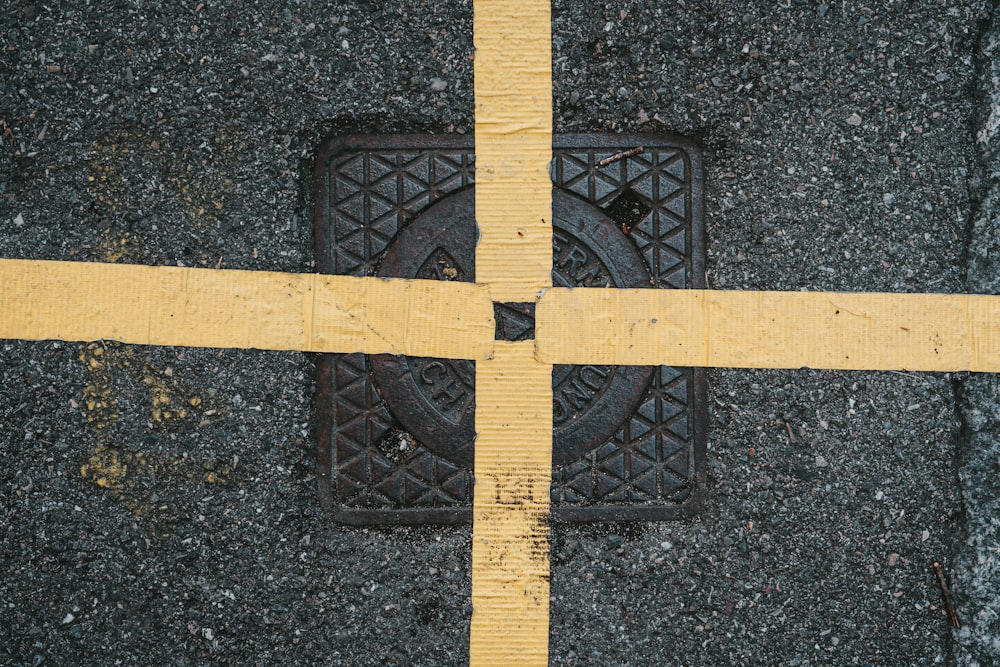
{"type": "Point", "coordinates": [396, 434]}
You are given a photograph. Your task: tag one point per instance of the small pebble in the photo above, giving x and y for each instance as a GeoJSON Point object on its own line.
{"type": "Point", "coordinates": [437, 85]}
{"type": "Point", "coordinates": [854, 119]}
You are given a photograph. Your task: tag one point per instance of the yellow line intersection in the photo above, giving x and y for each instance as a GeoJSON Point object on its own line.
{"type": "Point", "coordinates": [320, 313]}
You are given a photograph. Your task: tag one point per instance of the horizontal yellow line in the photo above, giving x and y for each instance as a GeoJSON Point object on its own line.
{"type": "Point", "coordinates": [857, 331]}
{"type": "Point", "coordinates": [243, 309]}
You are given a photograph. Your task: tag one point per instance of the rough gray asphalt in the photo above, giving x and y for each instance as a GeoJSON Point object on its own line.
{"type": "Point", "coordinates": [840, 148]}
{"type": "Point", "coordinates": [978, 572]}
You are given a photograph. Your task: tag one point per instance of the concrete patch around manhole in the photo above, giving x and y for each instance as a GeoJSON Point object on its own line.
{"type": "Point", "coordinates": [396, 434]}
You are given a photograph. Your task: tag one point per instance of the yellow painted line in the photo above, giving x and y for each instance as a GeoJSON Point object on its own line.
{"type": "Point", "coordinates": [321, 313]}
{"type": "Point", "coordinates": [513, 91]}
{"type": "Point", "coordinates": [513, 467]}
{"type": "Point", "coordinates": [510, 550]}
{"type": "Point", "coordinates": [243, 309]}
{"type": "Point", "coordinates": [854, 331]}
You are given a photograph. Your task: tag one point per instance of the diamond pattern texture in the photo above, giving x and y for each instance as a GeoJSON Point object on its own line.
{"type": "Point", "coordinates": [661, 177]}
{"type": "Point", "coordinates": [371, 193]}
{"type": "Point", "coordinates": [648, 460]}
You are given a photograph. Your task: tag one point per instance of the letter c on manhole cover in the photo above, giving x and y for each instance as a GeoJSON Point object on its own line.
{"type": "Point", "coordinates": [434, 399]}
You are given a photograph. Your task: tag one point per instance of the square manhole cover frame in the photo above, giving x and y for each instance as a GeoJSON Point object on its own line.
{"type": "Point", "coordinates": [368, 188]}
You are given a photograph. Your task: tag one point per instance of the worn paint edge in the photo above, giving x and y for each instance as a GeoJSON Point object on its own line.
{"type": "Point", "coordinates": [510, 548]}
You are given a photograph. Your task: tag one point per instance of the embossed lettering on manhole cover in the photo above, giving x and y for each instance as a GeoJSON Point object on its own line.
{"type": "Point", "coordinates": [397, 433]}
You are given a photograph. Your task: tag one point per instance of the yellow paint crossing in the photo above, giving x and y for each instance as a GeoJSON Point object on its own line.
{"type": "Point", "coordinates": [320, 313]}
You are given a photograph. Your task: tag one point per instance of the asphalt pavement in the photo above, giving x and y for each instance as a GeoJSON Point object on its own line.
{"type": "Point", "coordinates": [159, 504]}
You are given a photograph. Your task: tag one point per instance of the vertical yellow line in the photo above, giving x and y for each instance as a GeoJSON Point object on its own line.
{"type": "Point", "coordinates": [510, 549]}
{"type": "Point", "coordinates": [513, 89]}
{"type": "Point", "coordinates": [510, 553]}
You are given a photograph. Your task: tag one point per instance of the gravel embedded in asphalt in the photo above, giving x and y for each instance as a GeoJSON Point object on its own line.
{"type": "Point", "coordinates": [838, 151]}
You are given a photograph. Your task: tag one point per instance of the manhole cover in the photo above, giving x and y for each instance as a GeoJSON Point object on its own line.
{"type": "Point", "coordinates": [433, 399]}
{"type": "Point", "coordinates": [397, 433]}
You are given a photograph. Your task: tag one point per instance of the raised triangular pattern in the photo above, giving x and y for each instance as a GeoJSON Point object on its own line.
{"type": "Point", "coordinates": [677, 204]}
{"type": "Point", "coordinates": [372, 196]}
{"type": "Point", "coordinates": [639, 427]}
{"type": "Point", "coordinates": [677, 240]}
{"type": "Point", "coordinates": [456, 486]}
{"type": "Point", "coordinates": [677, 278]}
{"type": "Point", "coordinates": [673, 164]}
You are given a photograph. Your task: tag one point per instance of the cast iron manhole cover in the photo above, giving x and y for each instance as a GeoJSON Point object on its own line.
{"type": "Point", "coordinates": [397, 433]}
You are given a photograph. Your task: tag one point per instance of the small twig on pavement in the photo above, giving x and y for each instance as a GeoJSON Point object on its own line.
{"type": "Point", "coordinates": [620, 156]}
{"type": "Point", "coordinates": [628, 617]}
{"type": "Point", "coordinates": [949, 607]}
{"type": "Point", "coordinates": [8, 133]}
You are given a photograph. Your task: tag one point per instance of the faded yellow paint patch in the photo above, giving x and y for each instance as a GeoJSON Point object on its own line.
{"type": "Point", "coordinates": [244, 309]}
{"type": "Point", "coordinates": [510, 550]}
{"type": "Point", "coordinates": [513, 92]}
{"type": "Point", "coordinates": [172, 401]}
{"type": "Point", "coordinates": [99, 398]}
{"type": "Point", "coordinates": [114, 158]}
{"type": "Point", "coordinates": [852, 331]}
{"type": "Point", "coordinates": [134, 171]}
{"type": "Point", "coordinates": [133, 478]}
{"type": "Point", "coordinates": [206, 189]}
{"type": "Point", "coordinates": [110, 247]}
{"type": "Point", "coordinates": [199, 176]}
{"type": "Point", "coordinates": [105, 468]}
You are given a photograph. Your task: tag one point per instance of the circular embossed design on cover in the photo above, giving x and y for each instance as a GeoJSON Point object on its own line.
{"type": "Point", "coordinates": [434, 399]}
